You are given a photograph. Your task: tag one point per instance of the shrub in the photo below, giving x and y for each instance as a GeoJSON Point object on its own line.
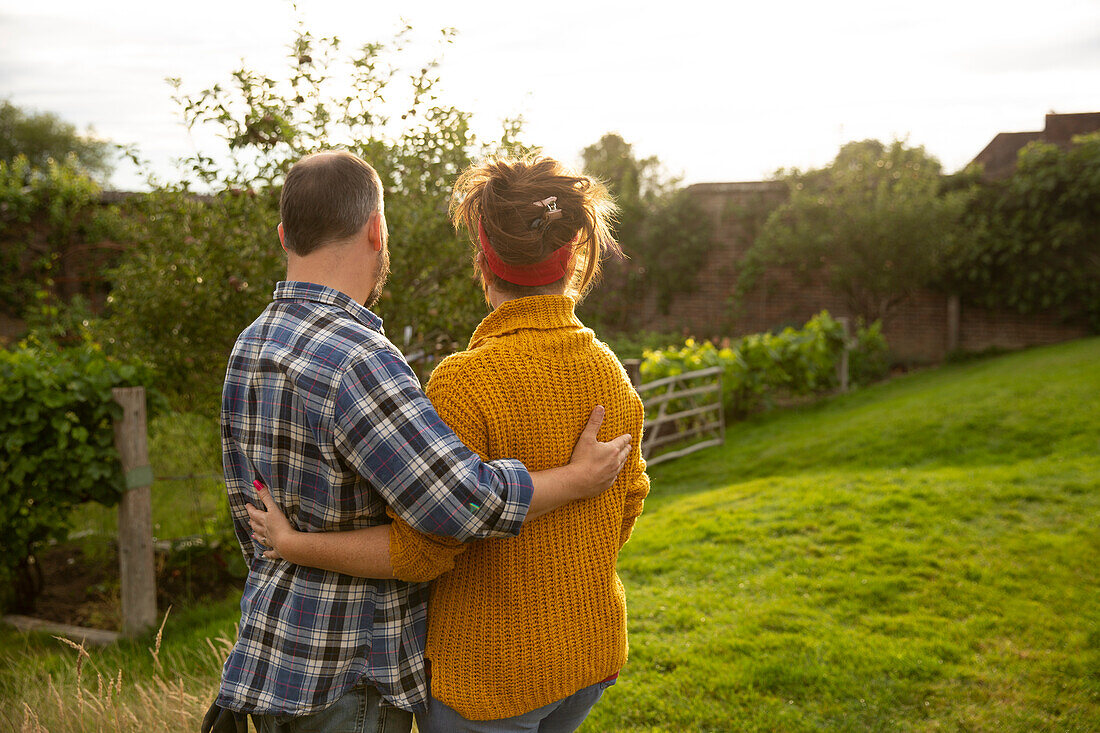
{"type": "Point", "coordinates": [869, 358]}
{"type": "Point", "coordinates": [56, 418]}
{"type": "Point", "coordinates": [761, 367]}
{"type": "Point", "coordinates": [1028, 242]}
{"type": "Point", "coordinates": [634, 345]}
{"type": "Point", "coordinates": [43, 214]}
{"type": "Point", "coordinates": [206, 269]}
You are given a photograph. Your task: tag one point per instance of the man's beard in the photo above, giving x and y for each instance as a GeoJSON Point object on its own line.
{"type": "Point", "coordinates": [383, 274]}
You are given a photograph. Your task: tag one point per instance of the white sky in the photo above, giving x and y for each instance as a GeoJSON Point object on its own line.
{"type": "Point", "coordinates": [719, 91]}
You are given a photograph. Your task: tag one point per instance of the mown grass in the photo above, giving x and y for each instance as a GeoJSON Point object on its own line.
{"type": "Point", "coordinates": [921, 555]}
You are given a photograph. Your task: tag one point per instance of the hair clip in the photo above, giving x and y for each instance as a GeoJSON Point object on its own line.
{"type": "Point", "coordinates": [552, 211]}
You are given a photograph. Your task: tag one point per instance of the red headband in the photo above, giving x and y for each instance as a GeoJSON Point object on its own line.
{"type": "Point", "coordinates": [552, 269]}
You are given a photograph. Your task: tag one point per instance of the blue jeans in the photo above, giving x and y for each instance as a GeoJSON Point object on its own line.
{"type": "Point", "coordinates": [562, 716]}
{"type": "Point", "coordinates": [360, 710]}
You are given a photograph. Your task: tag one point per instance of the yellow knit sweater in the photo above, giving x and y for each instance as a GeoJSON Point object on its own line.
{"type": "Point", "coordinates": [514, 624]}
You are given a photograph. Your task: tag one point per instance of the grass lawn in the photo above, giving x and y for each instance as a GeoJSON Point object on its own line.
{"type": "Point", "coordinates": [918, 555]}
{"type": "Point", "coordinates": [187, 493]}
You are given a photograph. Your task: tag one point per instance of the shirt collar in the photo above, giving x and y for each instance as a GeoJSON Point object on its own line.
{"type": "Point", "coordinates": [538, 312]}
{"type": "Point", "coordinates": [294, 290]}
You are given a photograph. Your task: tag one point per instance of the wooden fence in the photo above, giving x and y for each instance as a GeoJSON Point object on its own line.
{"type": "Point", "coordinates": [684, 407]}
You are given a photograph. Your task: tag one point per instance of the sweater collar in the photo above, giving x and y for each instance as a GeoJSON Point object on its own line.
{"type": "Point", "coordinates": [537, 312]}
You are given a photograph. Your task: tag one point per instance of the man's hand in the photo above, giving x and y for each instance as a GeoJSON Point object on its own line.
{"type": "Point", "coordinates": [597, 464]}
{"type": "Point", "coordinates": [591, 470]}
{"type": "Point", "coordinates": [270, 528]}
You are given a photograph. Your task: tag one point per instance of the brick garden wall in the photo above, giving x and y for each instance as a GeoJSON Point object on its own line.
{"type": "Point", "coordinates": [918, 333]}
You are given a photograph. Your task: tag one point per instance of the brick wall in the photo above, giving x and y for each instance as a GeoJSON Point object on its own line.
{"type": "Point", "coordinates": [918, 333]}
{"type": "Point", "coordinates": [10, 328]}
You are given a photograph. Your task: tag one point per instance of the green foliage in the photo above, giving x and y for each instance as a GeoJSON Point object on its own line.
{"type": "Point", "coordinates": [188, 491]}
{"type": "Point", "coordinates": [873, 224]}
{"type": "Point", "coordinates": [205, 270]}
{"type": "Point", "coordinates": [665, 235]}
{"type": "Point", "coordinates": [759, 368]}
{"type": "Point", "coordinates": [49, 320]}
{"type": "Point", "coordinates": [633, 345]}
{"type": "Point", "coordinates": [56, 416]}
{"type": "Point", "coordinates": [417, 146]}
{"type": "Point", "coordinates": [1029, 242]}
{"type": "Point", "coordinates": [43, 214]}
{"type": "Point", "coordinates": [44, 138]}
{"type": "Point", "coordinates": [869, 357]}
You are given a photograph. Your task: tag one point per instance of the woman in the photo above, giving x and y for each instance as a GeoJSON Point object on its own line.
{"type": "Point", "coordinates": [524, 632]}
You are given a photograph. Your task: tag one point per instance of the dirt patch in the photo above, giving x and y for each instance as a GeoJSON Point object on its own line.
{"type": "Point", "coordinates": [78, 589]}
{"type": "Point", "coordinates": [81, 586]}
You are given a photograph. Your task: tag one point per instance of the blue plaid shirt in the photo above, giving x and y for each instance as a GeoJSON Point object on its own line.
{"type": "Point", "coordinates": [321, 407]}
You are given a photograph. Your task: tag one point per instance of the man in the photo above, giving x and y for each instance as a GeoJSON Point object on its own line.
{"type": "Point", "coordinates": [322, 408]}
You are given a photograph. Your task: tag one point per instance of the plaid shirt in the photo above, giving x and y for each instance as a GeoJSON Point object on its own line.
{"type": "Point", "coordinates": [321, 407]}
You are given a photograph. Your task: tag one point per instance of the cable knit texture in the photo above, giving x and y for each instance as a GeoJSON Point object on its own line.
{"type": "Point", "coordinates": [517, 623]}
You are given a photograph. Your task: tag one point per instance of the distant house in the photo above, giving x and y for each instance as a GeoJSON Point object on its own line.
{"type": "Point", "coordinates": [999, 157]}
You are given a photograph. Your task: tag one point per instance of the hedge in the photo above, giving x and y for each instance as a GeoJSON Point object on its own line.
{"type": "Point", "coordinates": [56, 419]}
{"type": "Point", "coordinates": [759, 368]}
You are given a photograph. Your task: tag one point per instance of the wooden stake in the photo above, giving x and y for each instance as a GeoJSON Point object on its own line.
{"type": "Point", "coordinates": [953, 311]}
{"type": "Point", "coordinates": [842, 365]}
{"type": "Point", "coordinates": [633, 370]}
{"type": "Point", "coordinates": [135, 515]}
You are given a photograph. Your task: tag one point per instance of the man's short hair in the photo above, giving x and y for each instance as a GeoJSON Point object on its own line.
{"type": "Point", "coordinates": [327, 197]}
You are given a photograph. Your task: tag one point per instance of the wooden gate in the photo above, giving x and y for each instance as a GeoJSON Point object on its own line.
{"type": "Point", "coordinates": [684, 407]}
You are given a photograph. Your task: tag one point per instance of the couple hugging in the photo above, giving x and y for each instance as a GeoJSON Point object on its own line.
{"type": "Point", "coordinates": [451, 553]}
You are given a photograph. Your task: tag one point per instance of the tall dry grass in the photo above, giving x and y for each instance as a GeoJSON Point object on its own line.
{"type": "Point", "coordinates": [74, 700]}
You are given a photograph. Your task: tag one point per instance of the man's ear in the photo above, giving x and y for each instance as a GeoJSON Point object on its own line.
{"type": "Point", "coordinates": [282, 237]}
{"type": "Point", "coordinates": [376, 231]}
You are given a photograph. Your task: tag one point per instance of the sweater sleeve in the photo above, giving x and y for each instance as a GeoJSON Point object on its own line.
{"type": "Point", "coordinates": [634, 474]}
{"type": "Point", "coordinates": [635, 498]}
{"type": "Point", "coordinates": [418, 557]}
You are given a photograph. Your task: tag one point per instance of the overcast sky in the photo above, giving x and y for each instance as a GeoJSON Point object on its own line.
{"type": "Point", "coordinates": [719, 91]}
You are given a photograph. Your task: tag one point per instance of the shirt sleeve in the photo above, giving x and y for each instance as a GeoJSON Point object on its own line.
{"type": "Point", "coordinates": [419, 557]}
{"type": "Point", "coordinates": [235, 479]}
{"type": "Point", "coordinates": [388, 431]}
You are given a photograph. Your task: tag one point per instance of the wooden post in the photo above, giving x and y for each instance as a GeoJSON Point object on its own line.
{"type": "Point", "coordinates": [953, 312]}
{"type": "Point", "coordinates": [634, 370]}
{"type": "Point", "coordinates": [135, 515]}
{"type": "Point", "coordinates": [842, 365]}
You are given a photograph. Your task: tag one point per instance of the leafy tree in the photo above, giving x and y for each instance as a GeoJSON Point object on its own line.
{"type": "Point", "coordinates": [207, 265]}
{"type": "Point", "coordinates": [873, 224]}
{"type": "Point", "coordinates": [44, 137]}
{"type": "Point", "coordinates": [205, 268]}
{"type": "Point", "coordinates": [1029, 242]}
{"type": "Point", "coordinates": [664, 234]}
